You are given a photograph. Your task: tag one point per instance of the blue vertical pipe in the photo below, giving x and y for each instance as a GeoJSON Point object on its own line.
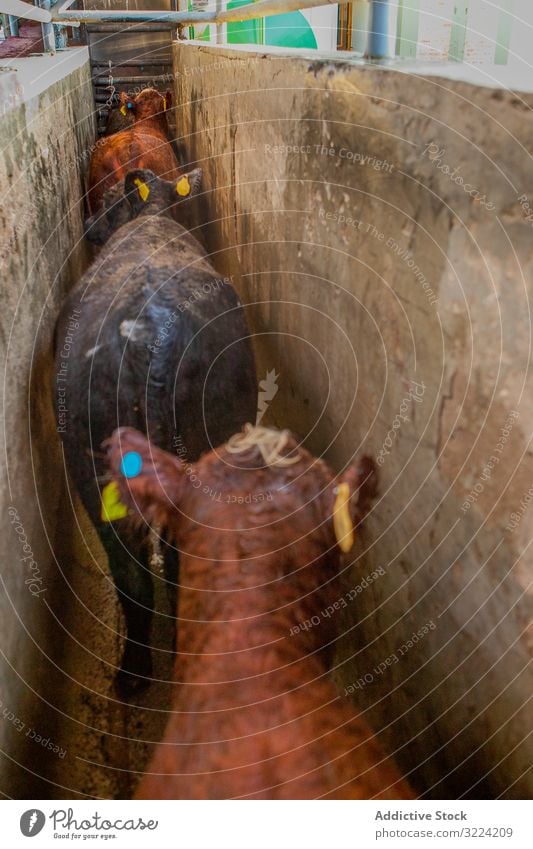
{"type": "Point", "coordinates": [378, 36]}
{"type": "Point", "coordinates": [13, 25]}
{"type": "Point", "coordinates": [49, 41]}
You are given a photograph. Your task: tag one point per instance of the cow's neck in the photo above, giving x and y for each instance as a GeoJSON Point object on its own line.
{"type": "Point", "coordinates": [153, 125]}
{"type": "Point", "coordinates": [238, 623]}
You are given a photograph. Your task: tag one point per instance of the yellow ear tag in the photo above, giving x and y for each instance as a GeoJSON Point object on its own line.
{"type": "Point", "coordinates": [342, 521]}
{"type": "Point", "coordinates": [144, 191]}
{"type": "Point", "coordinates": [183, 187]}
{"type": "Point", "coordinates": [123, 110]}
{"type": "Point", "coordinates": [112, 506]}
{"type": "Point", "coordinates": [164, 104]}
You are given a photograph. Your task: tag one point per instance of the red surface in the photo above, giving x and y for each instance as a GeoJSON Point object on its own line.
{"type": "Point", "coordinates": [29, 41]}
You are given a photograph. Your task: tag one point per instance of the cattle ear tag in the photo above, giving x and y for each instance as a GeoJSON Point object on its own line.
{"type": "Point", "coordinates": [342, 520]}
{"type": "Point", "coordinates": [112, 506]}
{"type": "Point", "coordinates": [123, 110]}
{"type": "Point", "coordinates": [164, 104]}
{"type": "Point", "coordinates": [144, 191]}
{"type": "Point", "coordinates": [183, 187]}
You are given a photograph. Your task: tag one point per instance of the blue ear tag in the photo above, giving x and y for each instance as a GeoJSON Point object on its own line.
{"type": "Point", "coordinates": [131, 464]}
{"type": "Point", "coordinates": [130, 105]}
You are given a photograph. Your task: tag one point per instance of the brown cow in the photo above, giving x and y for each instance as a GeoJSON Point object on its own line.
{"type": "Point", "coordinates": [259, 523]}
{"type": "Point", "coordinates": [144, 145]}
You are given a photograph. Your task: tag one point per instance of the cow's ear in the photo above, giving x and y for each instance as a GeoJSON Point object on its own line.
{"type": "Point", "coordinates": [126, 103]}
{"type": "Point", "coordinates": [188, 184]}
{"type": "Point", "coordinates": [352, 496]}
{"type": "Point", "coordinates": [97, 228]}
{"type": "Point", "coordinates": [138, 189]}
{"type": "Point", "coordinates": [145, 479]}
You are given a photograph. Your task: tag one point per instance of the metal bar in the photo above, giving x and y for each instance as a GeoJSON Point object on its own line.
{"type": "Point", "coordinates": [344, 39]}
{"type": "Point", "coordinates": [407, 28]}
{"type": "Point", "coordinates": [378, 36]}
{"type": "Point", "coordinates": [456, 51]}
{"type": "Point", "coordinates": [25, 10]}
{"type": "Point", "coordinates": [104, 81]}
{"type": "Point", "coordinates": [220, 30]}
{"type": "Point", "coordinates": [142, 26]}
{"type": "Point", "coordinates": [49, 39]}
{"type": "Point", "coordinates": [129, 63]}
{"type": "Point", "coordinates": [13, 25]}
{"type": "Point", "coordinates": [241, 13]}
{"type": "Point", "coordinates": [503, 35]}
{"type": "Point", "coordinates": [344, 27]}
{"type": "Point", "coordinates": [60, 30]}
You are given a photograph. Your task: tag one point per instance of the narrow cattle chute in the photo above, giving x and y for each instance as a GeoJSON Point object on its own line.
{"type": "Point", "coordinates": [266, 494]}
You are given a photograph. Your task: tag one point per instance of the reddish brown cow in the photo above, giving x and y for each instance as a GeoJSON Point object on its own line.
{"type": "Point", "coordinates": [144, 145]}
{"type": "Point", "coordinates": [256, 715]}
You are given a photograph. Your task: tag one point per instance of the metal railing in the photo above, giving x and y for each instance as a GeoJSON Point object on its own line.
{"type": "Point", "coordinates": [218, 16]}
{"type": "Point", "coordinates": [369, 21]}
{"type": "Point", "coordinates": [377, 32]}
{"type": "Point", "coordinates": [263, 8]}
{"type": "Point", "coordinates": [65, 16]}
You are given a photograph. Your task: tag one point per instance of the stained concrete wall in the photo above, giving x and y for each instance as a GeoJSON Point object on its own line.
{"type": "Point", "coordinates": [46, 132]}
{"type": "Point", "coordinates": [392, 300]}
{"type": "Point", "coordinates": [63, 731]}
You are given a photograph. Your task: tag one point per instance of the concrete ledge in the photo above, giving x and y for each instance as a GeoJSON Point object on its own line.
{"type": "Point", "coordinates": [30, 76]}
{"type": "Point", "coordinates": [516, 77]}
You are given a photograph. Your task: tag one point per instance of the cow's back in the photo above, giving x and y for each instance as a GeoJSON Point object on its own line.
{"type": "Point", "coordinates": [162, 345]}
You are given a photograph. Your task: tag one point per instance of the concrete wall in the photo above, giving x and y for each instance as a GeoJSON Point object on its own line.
{"type": "Point", "coordinates": [393, 302]}
{"type": "Point", "coordinates": [46, 132]}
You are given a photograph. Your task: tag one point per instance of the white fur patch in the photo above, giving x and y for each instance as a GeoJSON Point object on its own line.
{"type": "Point", "coordinates": [132, 329]}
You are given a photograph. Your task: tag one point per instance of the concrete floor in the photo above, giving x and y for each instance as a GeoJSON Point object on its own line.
{"type": "Point", "coordinates": [107, 740]}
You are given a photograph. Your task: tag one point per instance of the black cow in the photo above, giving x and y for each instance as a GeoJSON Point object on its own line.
{"type": "Point", "coordinates": [150, 337]}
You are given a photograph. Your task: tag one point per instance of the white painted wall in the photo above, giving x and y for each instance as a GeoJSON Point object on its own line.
{"type": "Point", "coordinates": [436, 20]}
{"type": "Point", "coordinates": [323, 20]}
